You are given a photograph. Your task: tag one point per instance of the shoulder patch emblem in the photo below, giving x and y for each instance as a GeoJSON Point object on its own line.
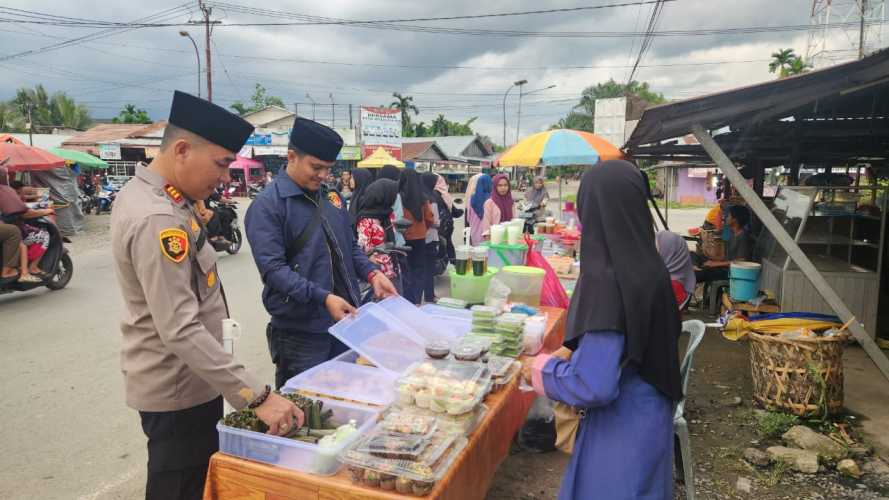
{"type": "Point", "coordinates": [334, 199]}
{"type": "Point", "coordinates": [174, 244]}
{"type": "Point", "coordinates": [211, 279]}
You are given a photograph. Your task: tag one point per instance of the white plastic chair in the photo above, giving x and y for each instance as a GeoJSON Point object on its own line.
{"type": "Point", "coordinates": [695, 330]}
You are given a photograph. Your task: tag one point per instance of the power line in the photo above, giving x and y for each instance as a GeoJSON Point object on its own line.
{"type": "Point", "coordinates": [648, 39]}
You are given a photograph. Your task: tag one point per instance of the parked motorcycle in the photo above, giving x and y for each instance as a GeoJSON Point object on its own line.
{"type": "Point", "coordinates": [532, 214]}
{"type": "Point", "coordinates": [253, 190]}
{"type": "Point", "coordinates": [56, 263]}
{"type": "Point", "coordinates": [105, 199]}
{"type": "Point", "coordinates": [87, 203]}
{"type": "Point", "coordinates": [232, 239]}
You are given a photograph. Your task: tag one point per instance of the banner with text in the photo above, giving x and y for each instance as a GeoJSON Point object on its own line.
{"type": "Point", "coordinates": [380, 127]}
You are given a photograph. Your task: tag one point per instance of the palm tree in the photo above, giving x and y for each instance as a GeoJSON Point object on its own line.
{"type": "Point", "coordinates": [10, 118]}
{"type": "Point", "coordinates": [68, 114]}
{"type": "Point", "coordinates": [796, 67]}
{"type": "Point", "coordinates": [405, 104]}
{"type": "Point", "coordinates": [781, 60]}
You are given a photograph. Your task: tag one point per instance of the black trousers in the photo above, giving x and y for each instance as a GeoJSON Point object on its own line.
{"type": "Point", "coordinates": [179, 447]}
{"type": "Point", "coordinates": [294, 352]}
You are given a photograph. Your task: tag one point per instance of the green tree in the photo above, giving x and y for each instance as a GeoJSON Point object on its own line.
{"type": "Point", "coordinates": [576, 121]}
{"type": "Point", "coordinates": [259, 100]}
{"type": "Point", "coordinates": [69, 114]}
{"type": "Point", "coordinates": [129, 114]}
{"type": "Point", "coordinates": [405, 104]}
{"type": "Point", "coordinates": [781, 60]}
{"type": "Point", "coordinates": [582, 115]}
{"type": "Point", "coordinates": [11, 120]}
{"type": "Point", "coordinates": [47, 111]}
{"type": "Point", "coordinates": [797, 67]}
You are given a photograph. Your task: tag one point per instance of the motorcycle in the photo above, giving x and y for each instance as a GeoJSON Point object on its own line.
{"type": "Point", "coordinates": [230, 232]}
{"type": "Point", "coordinates": [532, 214]}
{"type": "Point", "coordinates": [56, 263]}
{"type": "Point", "coordinates": [86, 202]}
{"type": "Point", "coordinates": [105, 199]}
{"type": "Point", "coordinates": [253, 190]}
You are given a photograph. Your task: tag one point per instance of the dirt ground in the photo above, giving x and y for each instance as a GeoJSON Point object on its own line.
{"type": "Point", "coordinates": [720, 431]}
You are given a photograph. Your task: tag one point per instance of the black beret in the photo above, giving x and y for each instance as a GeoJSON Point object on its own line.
{"type": "Point", "coordinates": [315, 139]}
{"type": "Point", "coordinates": [212, 122]}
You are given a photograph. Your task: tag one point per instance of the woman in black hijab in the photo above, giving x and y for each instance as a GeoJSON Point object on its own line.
{"type": "Point", "coordinates": [361, 178]}
{"type": "Point", "coordinates": [389, 172]}
{"type": "Point", "coordinates": [623, 326]}
{"type": "Point", "coordinates": [416, 209]}
{"type": "Point", "coordinates": [374, 223]}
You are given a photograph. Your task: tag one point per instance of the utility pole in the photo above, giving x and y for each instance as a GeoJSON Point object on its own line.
{"type": "Point", "coordinates": [332, 112]}
{"type": "Point", "coordinates": [861, 30]}
{"type": "Point", "coordinates": [208, 29]}
{"type": "Point", "coordinates": [30, 126]}
{"type": "Point", "coordinates": [518, 121]}
{"type": "Point", "coordinates": [350, 116]}
{"type": "Point", "coordinates": [520, 82]}
{"type": "Point", "coordinates": [296, 108]}
{"type": "Point", "coordinates": [313, 105]}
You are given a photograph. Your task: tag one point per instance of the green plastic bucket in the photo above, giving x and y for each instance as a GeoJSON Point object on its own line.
{"type": "Point", "coordinates": [469, 287]}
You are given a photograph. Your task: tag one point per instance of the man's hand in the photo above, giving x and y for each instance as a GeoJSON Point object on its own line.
{"type": "Point", "coordinates": [527, 363]}
{"type": "Point", "coordinates": [382, 286]}
{"type": "Point", "coordinates": [280, 415]}
{"type": "Point", "coordinates": [716, 263]}
{"type": "Point", "coordinates": [337, 307]}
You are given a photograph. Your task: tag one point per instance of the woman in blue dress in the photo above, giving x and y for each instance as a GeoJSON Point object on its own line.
{"type": "Point", "coordinates": [623, 327]}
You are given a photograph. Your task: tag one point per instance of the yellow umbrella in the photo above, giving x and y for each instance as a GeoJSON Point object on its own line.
{"type": "Point", "coordinates": [378, 159]}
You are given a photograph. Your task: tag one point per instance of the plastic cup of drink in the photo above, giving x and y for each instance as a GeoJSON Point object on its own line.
{"type": "Point", "coordinates": [498, 234]}
{"type": "Point", "coordinates": [479, 261]}
{"type": "Point", "coordinates": [461, 261]}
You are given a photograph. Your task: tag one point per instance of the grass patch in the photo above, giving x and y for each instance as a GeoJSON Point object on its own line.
{"type": "Point", "coordinates": [772, 424]}
{"type": "Point", "coordinates": [775, 474]}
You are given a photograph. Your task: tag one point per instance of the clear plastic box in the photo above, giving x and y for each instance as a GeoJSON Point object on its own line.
{"type": "Point", "coordinates": [387, 343]}
{"type": "Point", "coordinates": [416, 477]}
{"type": "Point", "coordinates": [418, 320]}
{"type": "Point", "coordinates": [346, 380]}
{"type": "Point", "coordinates": [437, 310]}
{"type": "Point", "coordinates": [444, 386]}
{"type": "Point", "coordinates": [297, 455]}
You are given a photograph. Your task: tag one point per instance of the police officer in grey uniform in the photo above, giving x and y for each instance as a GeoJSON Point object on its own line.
{"type": "Point", "coordinates": [175, 368]}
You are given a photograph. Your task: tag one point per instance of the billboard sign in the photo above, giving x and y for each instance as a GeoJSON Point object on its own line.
{"type": "Point", "coordinates": [109, 151]}
{"type": "Point", "coordinates": [380, 127]}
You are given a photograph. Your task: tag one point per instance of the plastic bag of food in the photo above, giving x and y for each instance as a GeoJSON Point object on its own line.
{"type": "Point", "coordinates": [498, 295]}
{"type": "Point", "coordinates": [552, 292]}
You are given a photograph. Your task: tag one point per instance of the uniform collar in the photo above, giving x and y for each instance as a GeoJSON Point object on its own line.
{"type": "Point", "coordinates": [162, 186]}
{"type": "Point", "coordinates": [287, 187]}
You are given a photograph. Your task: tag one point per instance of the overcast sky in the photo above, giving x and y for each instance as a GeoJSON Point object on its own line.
{"type": "Point", "coordinates": [144, 66]}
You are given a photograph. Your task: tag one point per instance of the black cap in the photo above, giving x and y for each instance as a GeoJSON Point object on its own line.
{"type": "Point", "coordinates": [315, 139]}
{"type": "Point", "coordinates": [212, 122]}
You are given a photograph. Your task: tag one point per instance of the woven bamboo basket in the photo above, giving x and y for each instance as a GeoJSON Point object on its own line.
{"type": "Point", "coordinates": [803, 376]}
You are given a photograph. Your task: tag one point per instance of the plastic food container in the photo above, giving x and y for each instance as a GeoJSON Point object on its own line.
{"type": "Point", "coordinates": [469, 287]}
{"type": "Point", "coordinates": [438, 349]}
{"type": "Point", "coordinates": [412, 477]}
{"type": "Point", "coordinates": [346, 380]}
{"type": "Point", "coordinates": [401, 310]}
{"type": "Point", "coordinates": [468, 352]}
{"type": "Point", "coordinates": [513, 369]}
{"type": "Point", "coordinates": [444, 386]}
{"type": "Point", "coordinates": [386, 342]}
{"type": "Point", "coordinates": [408, 422]}
{"type": "Point", "coordinates": [297, 455]}
{"type": "Point", "coordinates": [483, 312]}
{"type": "Point", "coordinates": [532, 339]}
{"type": "Point", "coordinates": [387, 444]}
{"type": "Point", "coordinates": [452, 303]}
{"type": "Point", "coordinates": [524, 282]}
{"type": "Point", "coordinates": [441, 310]}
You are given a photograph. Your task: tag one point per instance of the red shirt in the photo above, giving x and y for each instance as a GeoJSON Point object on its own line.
{"type": "Point", "coordinates": [679, 292]}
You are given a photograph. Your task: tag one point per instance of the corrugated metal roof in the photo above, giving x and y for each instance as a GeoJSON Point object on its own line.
{"type": "Point", "coordinates": [412, 150]}
{"type": "Point", "coordinates": [108, 132]}
{"type": "Point", "coordinates": [453, 146]}
{"type": "Point", "coordinates": [804, 96]}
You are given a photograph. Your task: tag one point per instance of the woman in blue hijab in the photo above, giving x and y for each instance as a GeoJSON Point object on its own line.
{"type": "Point", "coordinates": [483, 189]}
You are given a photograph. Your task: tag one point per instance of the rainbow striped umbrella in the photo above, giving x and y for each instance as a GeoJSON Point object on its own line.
{"type": "Point", "coordinates": [559, 147]}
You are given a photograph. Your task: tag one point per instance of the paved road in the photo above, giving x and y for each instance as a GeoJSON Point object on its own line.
{"type": "Point", "coordinates": [66, 432]}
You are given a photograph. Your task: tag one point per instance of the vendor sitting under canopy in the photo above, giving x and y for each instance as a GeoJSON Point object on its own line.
{"type": "Point", "coordinates": [739, 246]}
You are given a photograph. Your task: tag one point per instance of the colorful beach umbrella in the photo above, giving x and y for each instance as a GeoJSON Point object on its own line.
{"type": "Point", "coordinates": [21, 157]}
{"type": "Point", "coordinates": [85, 160]}
{"type": "Point", "coordinates": [559, 147]}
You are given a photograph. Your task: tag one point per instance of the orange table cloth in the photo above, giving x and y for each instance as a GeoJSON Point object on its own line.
{"type": "Point", "coordinates": [230, 478]}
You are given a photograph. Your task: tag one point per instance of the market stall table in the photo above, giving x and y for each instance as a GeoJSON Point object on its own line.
{"type": "Point", "coordinates": [470, 476]}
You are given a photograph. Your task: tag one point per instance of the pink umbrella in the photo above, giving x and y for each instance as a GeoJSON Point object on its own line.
{"type": "Point", "coordinates": [19, 157]}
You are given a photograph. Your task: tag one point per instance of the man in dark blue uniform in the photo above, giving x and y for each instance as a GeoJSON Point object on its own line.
{"type": "Point", "coordinates": [305, 250]}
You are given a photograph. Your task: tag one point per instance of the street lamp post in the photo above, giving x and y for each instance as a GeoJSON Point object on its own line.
{"type": "Point", "coordinates": [313, 105]}
{"type": "Point", "coordinates": [520, 82]}
{"type": "Point", "coordinates": [519, 117]}
{"type": "Point", "coordinates": [332, 112]}
{"type": "Point", "coordinates": [197, 54]}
